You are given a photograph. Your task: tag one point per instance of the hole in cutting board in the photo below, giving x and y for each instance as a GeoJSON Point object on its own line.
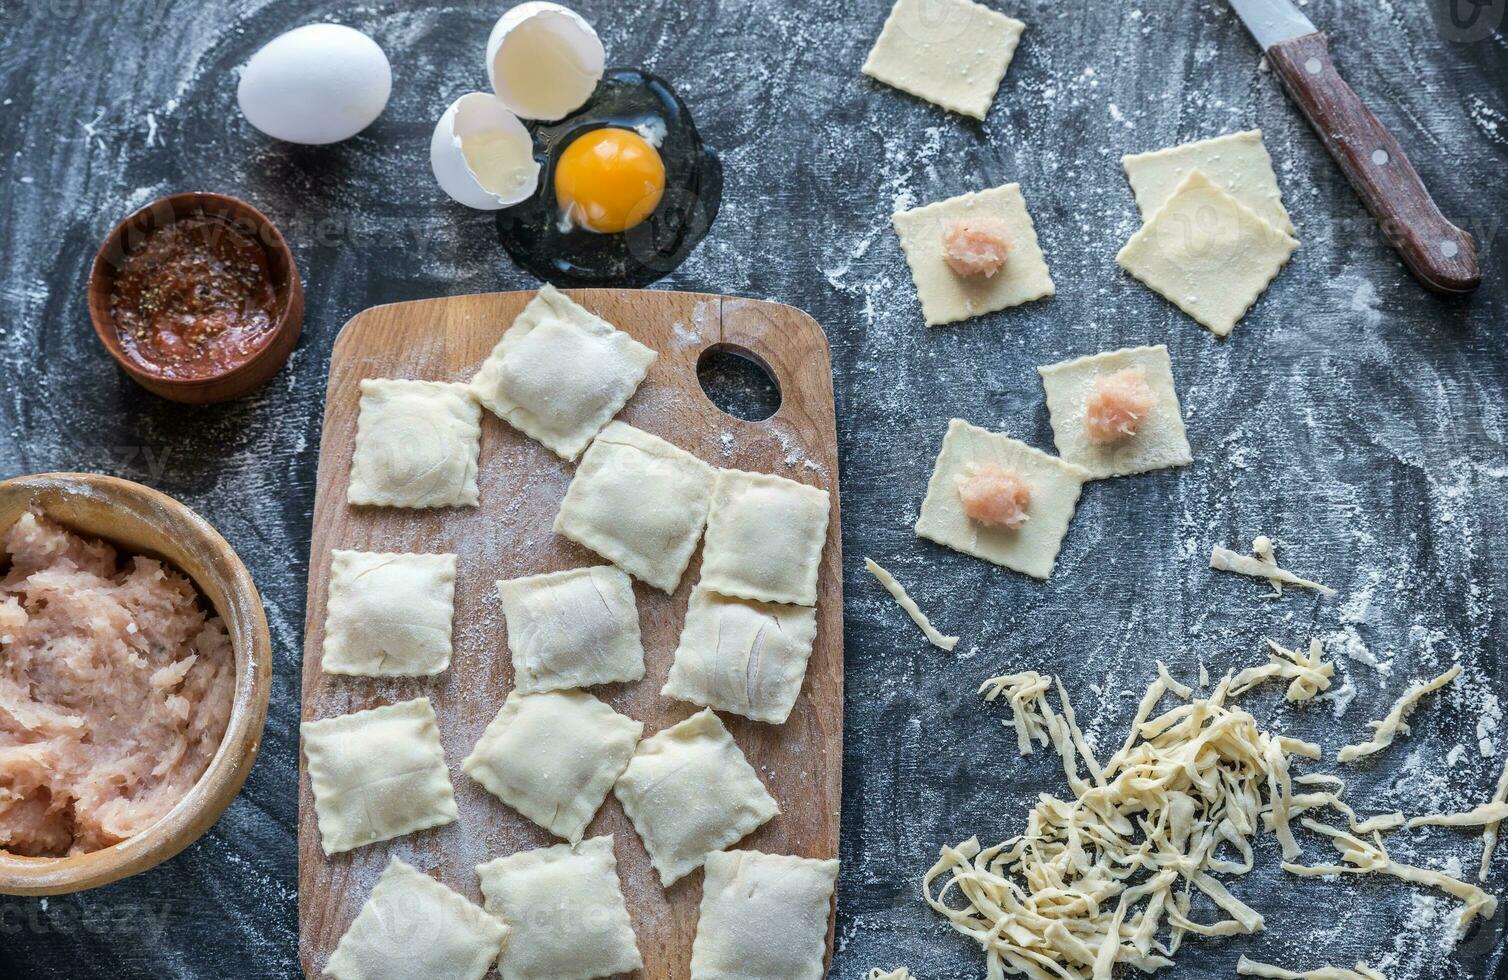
{"type": "Point", "coordinates": [738, 382]}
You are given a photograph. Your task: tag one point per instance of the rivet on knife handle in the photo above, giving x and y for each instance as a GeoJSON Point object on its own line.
{"type": "Point", "coordinates": [1440, 255]}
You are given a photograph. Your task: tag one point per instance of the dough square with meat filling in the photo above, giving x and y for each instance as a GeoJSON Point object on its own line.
{"type": "Point", "coordinates": [639, 502]}
{"type": "Point", "coordinates": [575, 628]}
{"type": "Point", "coordinates": [416, 445]}
{"type": "Point", "coordinates": [742, 656]}
{"type": "Point", "coordinates": [389, 615]}
{"type": "Point", "coordinates": [377, 774]}
{"type": "Point", "coordinates": [413, 926]}
{"type": "Point", "coordinates": [567, 913]}
{"type": "Point", "coordinates": [948, 297]}
{"type": "Point", "coordinates": [1236, 162]}
{"type": "Point", "coordinates": [952, 53]}
{"type": "Point", "coordinates": [764, 538]}
{"type": "Point", "coordinates": [688, 791]}
{"type": "Point", "coordinates": [1159, 440]}
{"type": "Point", "coordinates": [1054, 486]}
{"type": "Point", "coordinates": [763, 915]}
{"type": "Point", "coordinates": [560, 373]}
{"type": "Point", "coordinates": [1207, 253]}
{"type": "Point", "coordinates": [553, 757]}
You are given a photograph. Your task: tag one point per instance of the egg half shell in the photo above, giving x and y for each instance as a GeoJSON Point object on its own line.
{"type": "Point", "coordinates": [482, 155]}
{"type": "Point", "coordinates": [317, 84]}
{"type": "Point", "coordinates": [544, 60]}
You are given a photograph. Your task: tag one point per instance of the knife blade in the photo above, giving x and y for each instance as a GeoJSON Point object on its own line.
{"type": "Point", "coordinates": [1439, 254]}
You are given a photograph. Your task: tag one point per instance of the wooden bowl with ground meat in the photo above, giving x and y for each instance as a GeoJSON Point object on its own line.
{"type": "Point", "coordinates": [135, 667]}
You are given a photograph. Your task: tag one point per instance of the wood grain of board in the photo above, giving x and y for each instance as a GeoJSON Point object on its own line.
{"type": "Point", "coordinates": [510, 535]}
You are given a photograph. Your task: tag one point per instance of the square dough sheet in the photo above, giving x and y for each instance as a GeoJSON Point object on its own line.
{"type": "Point", "coordinates": [377, 774]}
{"type": "Point", "coordinates": [763, 915]}
{"type": "Point", "coordinates": [416, 445]}
{"type": "Point", "coordinates": [947, 297]}
{"type": "Point", "coordinates": [688, 791]}
{"type": "Point", "coordinates": [742, 656]}
{"type": "Point", "coordinates": [576, 628]}
{"type": "Point", "coordinates": [952, 53]}
{"type": "Point", "coordinates": [1159, 440]}
{"type": "Point", "coordinates": [567, 912]}
{"type": "Point", "coordinates": [1207, 253]}
{"type": "Point", "coordinates": [560, 373]}
{"type": "Point", "coordinates": [553, 757]}
{"type": "Point", "coordinates": [765, 536]}
{"type": "Point", "coordinates": [389, 615]}
{"type": "Point", "coordinates": [413, 926]}
{"type": "Point", "coordinates": [1054, 485]}
{"type": "Point", "coordinates": [639, 502]}
{"type": "Point", "coordinates": [1237, 163]}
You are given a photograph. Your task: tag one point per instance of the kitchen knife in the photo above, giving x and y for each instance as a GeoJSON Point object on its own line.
{"type": "Point", "coordinates": [1440, 255]}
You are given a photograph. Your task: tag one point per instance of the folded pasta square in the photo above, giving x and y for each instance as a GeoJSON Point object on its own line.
{"type": "Point", "coordinates": [377, 774]}
{"type": "Point", "coordinates": [765, 536]}
{"type": "Point", "coordinates": [560, 373]}
{"type": "Point", "coordinates": [742, 656]}
{"type": "Point", "coordinates": [567, 913]}
{"type": "Point", "coordinates": [688, 791]}
{"type": "Point", "coordinates": [416, 445]}
{"type": "Point", "coordinates": [575, 628]}
{"type": "Point", "coordinates": [413, 926]}
{"type": "Point", "coordinates": [553, 757]}
{"type": "Point", "coordinates": [388, 615]}
{"type": "Point", "coordinates": [639, 502]}
{"type": "Point", "coordinates": [763, 916]}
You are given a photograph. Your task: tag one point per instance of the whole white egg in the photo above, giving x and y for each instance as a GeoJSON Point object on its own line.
{"type": "Point", "coordinates": [317, 84]}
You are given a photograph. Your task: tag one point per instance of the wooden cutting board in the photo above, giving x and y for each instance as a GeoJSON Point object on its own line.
{"type": "Point", "coordinates": [522, 484]}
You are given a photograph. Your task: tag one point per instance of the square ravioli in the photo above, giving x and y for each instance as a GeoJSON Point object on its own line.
{"type": "Point", "coordinates": [765, 536]}
{"type": "Point", "coordinates": [1080, 401]}
{"type": "Point", "coordinates": [763, 915]}
{"type": "Point", "coordinates": [742, 656]}
{"type": "Point", "coordinates": [576, 628]}
{"type": "Point", "coordinates": [688, 791]}
{"type": "Point", "coordinates": [952, 53]}
{"type": "Point", "coordinates": [413, 926]}
{"type": "Point", "coordinates": [1237, 162]}
{"type": "Point", "coordinates": [553, 757]}
{"type": "Point", "coordinates": [639, 502]}
{"type": "Point", "coordinates": [416, 445]}
{"type": "Point", "coordinates": [389, 615]}
{"type": "Point", "coordinates": [948, 297]}
{"type": "Point", "coordinates": [1207, 253]}
{"type": "Point", "coordinates": [567, 913]}
{"type": "Point", "coordinates": [560, 373]}
{"type": "Point", "coordinates": [377, 774]}
{"type": "Point", "coordinates": [1053, 486]}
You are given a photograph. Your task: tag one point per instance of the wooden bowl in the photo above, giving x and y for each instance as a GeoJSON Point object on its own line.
{"type": "Point", "coordinates": [285, 280]}
{"type": "Point", "coordinates": [143, 521]}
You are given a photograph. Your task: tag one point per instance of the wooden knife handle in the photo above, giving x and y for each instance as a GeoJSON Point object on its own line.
{"type": "Point", "coordinates": [1440, 255]}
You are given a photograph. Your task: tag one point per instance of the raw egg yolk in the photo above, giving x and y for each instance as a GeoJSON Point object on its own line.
{"type": "Point", "coordinates": [609, 180]}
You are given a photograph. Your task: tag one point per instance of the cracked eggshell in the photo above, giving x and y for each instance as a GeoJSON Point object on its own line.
{"type": "Point", "coordinates": [317, 84]}
{"type": "Point", "coordinates": [544, 60]}
{"type": "Point", "coordinates": [482, 155]}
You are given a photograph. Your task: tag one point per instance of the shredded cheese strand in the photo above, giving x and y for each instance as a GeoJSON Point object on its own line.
{"type": "Point", "coordinates": [1361, 857]}
{"type": "Point", "coordinates": [1251, 968]}
{"type": "Point", "coordinates": [1387, 730]}
{"type": "Point", "coordinates": [1487, 813]}
{"type": "Point", "coordinates": [1308, 673]}
{"type": "Point", "coordinates": [1262, 566]}
{"type": "Point", "coordinates": [898, 592]}
{"type": "Point", "coordinates": [1490, 832]}
{"type": "Point", "coordinates": [899, 973]}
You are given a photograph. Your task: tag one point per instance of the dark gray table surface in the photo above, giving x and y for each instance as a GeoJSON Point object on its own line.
{"type": "Point", "coordinates": [1353, 417]}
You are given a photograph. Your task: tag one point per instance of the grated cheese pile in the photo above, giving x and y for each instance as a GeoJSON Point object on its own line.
{"type": "Point", "coordinates": [1107, 877]}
